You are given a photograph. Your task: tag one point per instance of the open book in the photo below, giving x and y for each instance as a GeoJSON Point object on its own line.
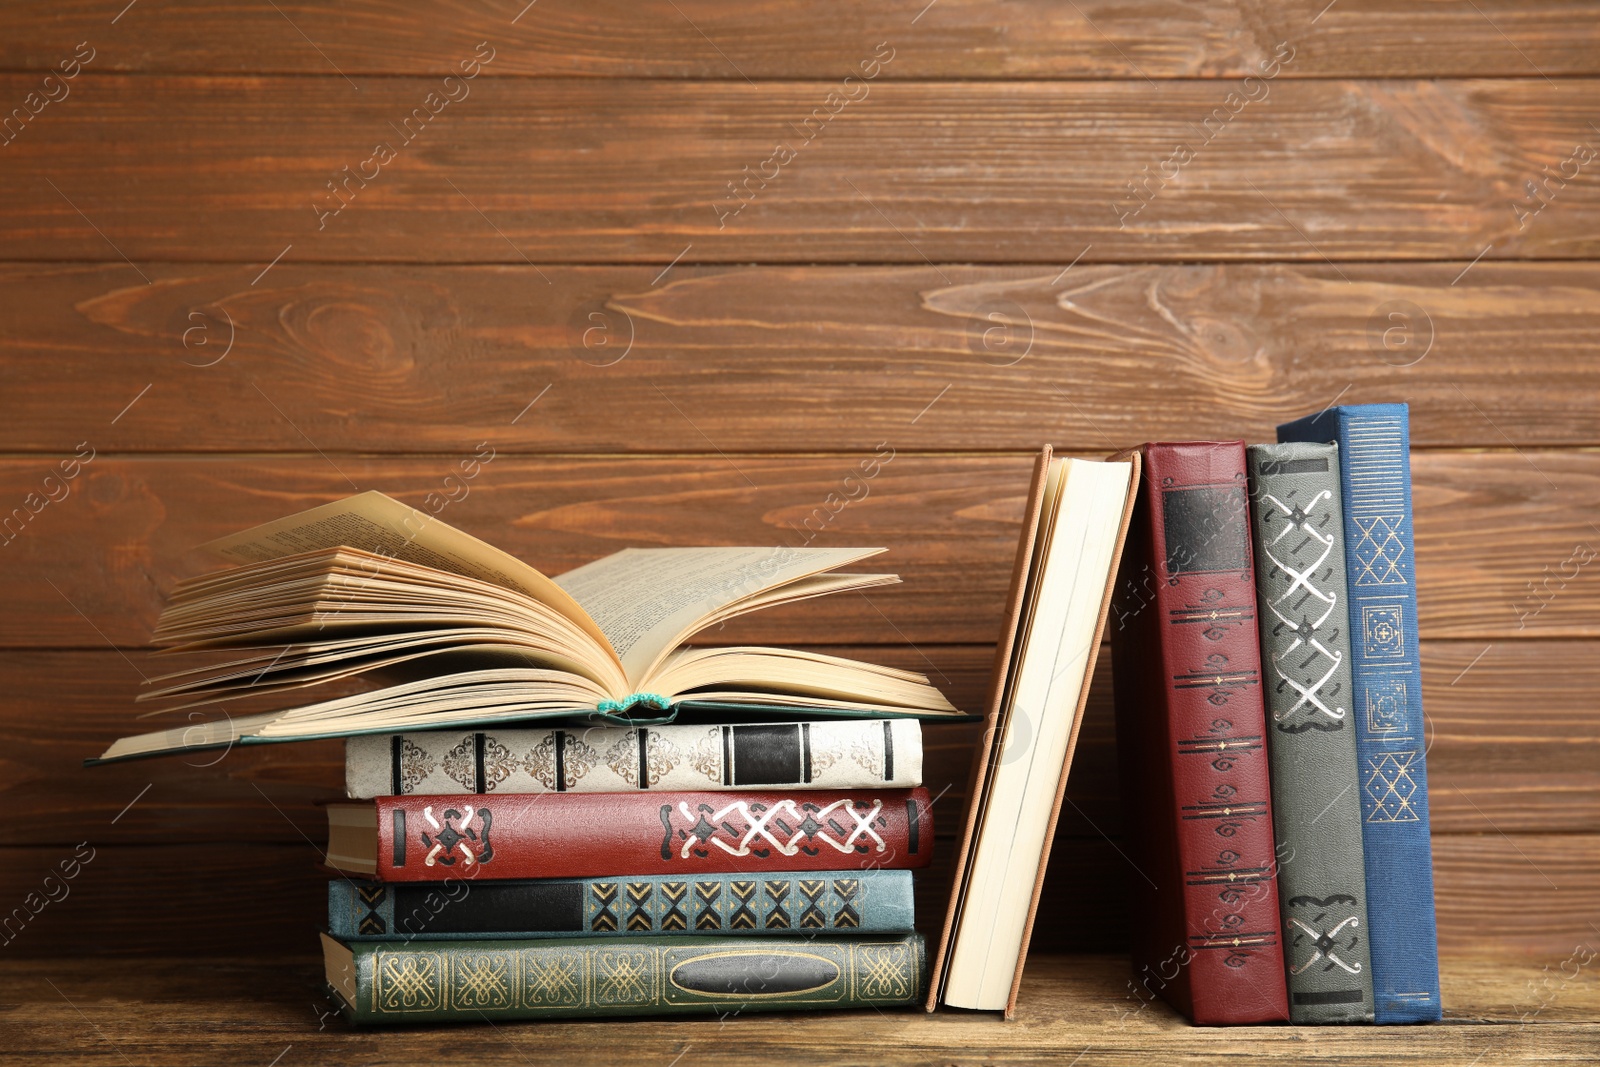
{"type": "Point", "coordinates": [485, 638]}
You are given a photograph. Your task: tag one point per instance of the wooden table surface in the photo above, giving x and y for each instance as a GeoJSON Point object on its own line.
{"type": "Point", "coordinates": [1073, 1009]}
{"type": "Point", "coordinates": [669, 272]}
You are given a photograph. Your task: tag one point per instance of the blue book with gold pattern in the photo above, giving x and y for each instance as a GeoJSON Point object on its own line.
{"type": "Point", "coordinates": [793, 904]}
{"type": "Point", "coordinates": [1375, 475]}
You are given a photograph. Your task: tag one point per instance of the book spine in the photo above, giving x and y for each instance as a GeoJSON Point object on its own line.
{"type": "Point", "coordinates": [1375, 477]}
{"type": "Point", "coordinates": [773, 905]}
{"type": "Point", "coordinates": [856, 754]}
{"type": "Point", "coordinates": [582, 977]}
{"type": "Point", "coordinates": [1191, 738]}
{"type": "Point", "coordinates": [1298, 529]}
{"type": "Point", "coordinates": [564, 835]}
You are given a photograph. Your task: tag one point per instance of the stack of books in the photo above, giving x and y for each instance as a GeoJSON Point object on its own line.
{"type": "Point", "coordinates": [1270, 729]}
{"type": "Point", "coordinates": [670, 829]}
{"type": "Point", "coordinates": [625, 870]}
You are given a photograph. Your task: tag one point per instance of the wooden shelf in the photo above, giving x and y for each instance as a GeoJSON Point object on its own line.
{"type": "Point", "coordinates": [1074, 1010]}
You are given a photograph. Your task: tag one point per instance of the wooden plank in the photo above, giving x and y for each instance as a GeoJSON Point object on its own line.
{"type": "Point", "coordinates": [93, 567]}
{"type": "Point", "coordinates": [248, 170]}
{"type": "Point", "coordinates": [256, 898]}
{"type": "Point", "coordinates": [703, 39]}
{"type": "Point", "coordinates": [936, 358]}
{"type": "Point", "coordinates": [205, 1012]}
{"type": "Point", "coordinates": [1542, 776]}
{"type": "Point", "coordinates": [1490, 770]}
{"type": "Point", "coordinates": [1483, 886]}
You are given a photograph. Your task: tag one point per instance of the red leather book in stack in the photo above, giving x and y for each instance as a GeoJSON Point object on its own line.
{"type": "Point", "coordinates": [1191, 741]}
{"type": "Point", "coordinates": [575, 835]}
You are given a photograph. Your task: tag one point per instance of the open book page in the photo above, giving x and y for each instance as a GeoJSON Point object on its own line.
{"type": "Point", "coordinates": [649, 600]}
{"type": "Point", "coordinates": [384, 526]}
{"type": "Point", "coordinates": [444, 651]}
{"type": "Point", "coordinates": [744, 675]}
{"type": "Point", "coordinates": [481, 696]}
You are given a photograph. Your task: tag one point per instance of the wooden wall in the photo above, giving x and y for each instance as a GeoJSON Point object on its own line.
{"type": "Point", "coordinates": [681, 276]}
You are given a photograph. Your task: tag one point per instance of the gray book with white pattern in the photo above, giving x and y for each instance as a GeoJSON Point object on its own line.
{"type": "Point", "coordinates": [1297, 523]}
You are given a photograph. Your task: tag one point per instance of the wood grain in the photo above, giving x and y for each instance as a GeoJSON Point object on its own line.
{"type": "Point", "coordinates": [1516, 892]}
{"type": "Point", "coordinates": [401, 358]}
{"type": "Point", "coordinates": [239, 169]}
{"type": "Point", "coordinates": [1541, 777]}
{"type": "Point", "coordinates": [704, 39]}
{"type": "Point", "coordinates": [179, 1012]}
{"type": "Point", "coordinates": [93, 567]}
{"type": "Point", "coordinates": [1511, 748]}
{"type": "Point", "coordinates": [1523, 893]}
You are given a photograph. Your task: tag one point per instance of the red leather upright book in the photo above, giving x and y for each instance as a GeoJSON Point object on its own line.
{"type": "Point", "coordinates": [575, 835]}
{"type": "Point", "coordinates": [1191, 740]}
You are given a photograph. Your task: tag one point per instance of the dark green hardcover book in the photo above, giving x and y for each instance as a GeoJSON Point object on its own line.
{"type": "Point", "coordinates": [793, 904]}
{"type": "Point", "coordinates": [1311, 740]}
{"type": "Point", "coordinates": [434, 981]}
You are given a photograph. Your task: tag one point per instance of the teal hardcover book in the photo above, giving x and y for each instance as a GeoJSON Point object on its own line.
{"type": "Point", "coordinates": [776, 905]}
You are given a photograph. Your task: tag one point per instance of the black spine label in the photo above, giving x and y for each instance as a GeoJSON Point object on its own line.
{"type": "Point", "coordinates": [768, 754]}
{"type": "Point", "coordinates": [541, 907]}
{"type": "Point", "coordinates": [727, 755]}
{"type": "Point", "coordinates": [477, 763]}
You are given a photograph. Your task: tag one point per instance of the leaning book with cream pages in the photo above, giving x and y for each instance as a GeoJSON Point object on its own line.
{"type": "Point", "coordinates": [465, 634]}
{"type": "Point", "coordinates": [1074, 523]}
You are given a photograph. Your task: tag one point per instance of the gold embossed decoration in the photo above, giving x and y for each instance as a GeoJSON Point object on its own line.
{"type": "Point", "coordinates": [577, 760]}
{"type": "Point", "coordinates": [481, 981]}
{"type": "Point", "coordinates": [624, 977]}
{"type": "Point", "coordinates": [884, 972]}
{"type": "Point", "coordinates": [498, 764]}
{"type": "Point", "coordinates": [706, 755]}
{"type": "Point", "coordinates": [460, 763]}
{"type": "Point", "coordinates": [415, 765]}
{"type": "Point", "coordinates": [410, 981]}
{"type": "Point", "coordinates": [552, 979]}
{"type": "Point", "coordinates": [540, 762]}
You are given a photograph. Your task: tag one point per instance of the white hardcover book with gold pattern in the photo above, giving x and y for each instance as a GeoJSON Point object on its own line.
{"type": "Point", "coordinates": [853, 754]}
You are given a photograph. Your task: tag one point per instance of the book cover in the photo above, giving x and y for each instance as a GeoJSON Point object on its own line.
{"type": "Point", "coordinates": [863, 754]}
{"type": "Point", "coordinates": [572, 835]}
{"type": "Point", "coordinates": [1375, 477]}
{"type": "Point", "coordinates": [1298, 526]}
{"type": "Point", "coordinates": [1000, 672]}
{"type": "Point", "coordinates": [420, 982]}
{"type": "Point", "coordinates": [977, 934]}
{"type": "Point", "coordinates": [1186, 664]}
{"type": "Point", "coordinates": [775, 904]}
